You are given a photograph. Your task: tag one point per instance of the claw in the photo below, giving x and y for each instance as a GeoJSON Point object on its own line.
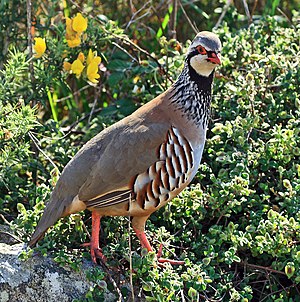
{"type": "Point", "coordinates": [145, 243]}
{"type": "Point", "coordinates": [85, 244]}
{"type": "Point", "coordinates": [97, 253]}
{"type": "Point", "coordinates": [165, 260]}
{"type": "Point", "coordinates": [173, 262]}
{"type": "Point", "coordinates": [159, 253]}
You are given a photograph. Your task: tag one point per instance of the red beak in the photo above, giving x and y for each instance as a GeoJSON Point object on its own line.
{"type": "Point", "coordinates": [214, 58]}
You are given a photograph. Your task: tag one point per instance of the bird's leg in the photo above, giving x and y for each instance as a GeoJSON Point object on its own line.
{"type": "Point", "coordinates": [146, 244]}
{"type": "Point", "coordinates": [95, 250]}
{"type": "Point", "coordinates": [143, 239]}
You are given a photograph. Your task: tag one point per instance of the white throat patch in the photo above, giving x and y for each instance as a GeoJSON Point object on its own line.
{"type": "Point", "coordinates": [201, 66]}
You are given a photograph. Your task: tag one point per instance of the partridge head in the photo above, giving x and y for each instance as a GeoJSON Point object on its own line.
{"type": "Point", "coordinates": [137, 165]}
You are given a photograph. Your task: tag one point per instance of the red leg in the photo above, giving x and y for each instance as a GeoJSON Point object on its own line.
{"type": "Point", "coordinates": [95, 250]}
{"type": "Point", "coordinates": [143, 239]}
{"type": "Point", "coordinates": [146, 244]}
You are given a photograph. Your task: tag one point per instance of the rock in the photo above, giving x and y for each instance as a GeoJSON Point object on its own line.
{"type": "Point", "coordinates": [38, 279]}
{"type": "Point", "coordinates": [7, 236]}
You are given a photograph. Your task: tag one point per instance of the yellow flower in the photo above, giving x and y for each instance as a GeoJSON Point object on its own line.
{"type": "Point", "coordinates": [136, 79]}
{"type": "Point", "coordinates": [74, 29]}
{"type": "Point", "coordinates": [81, 57]}
{"type": "Point", "coordinates": [72, 37]}
{"type": "Point", "coordinates": [92, 56]}
{"type": "Point", "coordinates": [74, 41]}
{"type": "Point", "coordinates": [89, 57]}
{"type": "Point", "coordinates": [39, 47]}
{"type": "Point", "coordinates": [69, 30]}
{"type": "Point", "coordinates": [79, 23]}
{"type": "Point", "coordinates": [67, 66]}
{"type": "Point", "coordinates": [92, 72]}
{"type": "Point", "coordinates": [77, 67]}
{"type": "Point", "coordinates": [93, 62]}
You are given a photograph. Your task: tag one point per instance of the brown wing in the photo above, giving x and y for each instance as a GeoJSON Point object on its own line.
{"type": "Point", "coordinates": [131, 152]}
{"type": "Point", "coordinates": [161, 179]}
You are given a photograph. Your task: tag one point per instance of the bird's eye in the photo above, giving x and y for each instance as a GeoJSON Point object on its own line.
{"type": "Point", "coordinates": [201, 50]}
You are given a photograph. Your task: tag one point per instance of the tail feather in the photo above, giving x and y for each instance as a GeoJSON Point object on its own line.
{"type": "Point", "coordinates": [52, 213]}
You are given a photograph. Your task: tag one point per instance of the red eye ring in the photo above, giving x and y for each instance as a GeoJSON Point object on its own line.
{"type": "Point", "coordinates": [201, 50]}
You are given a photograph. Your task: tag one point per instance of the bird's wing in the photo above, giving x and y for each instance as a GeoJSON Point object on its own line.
{"type": "Point", "coordinates": [166, 167]}
{"type": "Point", "coordinates": [132, 151]}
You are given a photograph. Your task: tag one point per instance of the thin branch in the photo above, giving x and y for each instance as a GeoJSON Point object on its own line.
{"type": "Point", "coordinates": [275, 292]}
{"type": "Point", "coordinates": [97, 92]}
{"type": "Point", "coordinates": [85, 228]}
{"type": "Point", "coordinates": [130, 259]}
{"type": "Point", "coordinates": [173, 20]}
{"type": "Point", "coordinates": [74, 93]}
{"type": "Point", "coordinates": [195, 29]}
{"type": "Point", "coordinates": [259, 267]}
{"type": "Point", "coordinates": [71, 127]}
{"type": "Point", "coordinates": [249, 16]}
{"type": "Point", "coordinates": [32, 78]}
{"type": "Point", "coordinates": [113, 282]}
{"type": "Point", "coordinates": [12, 236]}
{"type": "Point", "coordinates": [254, 8]}
{"type": "Point", "coordinates": [224, 11]}
{"type": "Point", "coordinates": [124, 50]}
{"type": "Point", "coordinates": [36, 143]}
{"type": "Point", "coordinates": [285, 15]}
{"type": "Point", "coordinates": [132, 19]}
{"type": "Point", "coordinates": [5, 220]}
{"type": "Point", "coordinates": [247, 11]}
{"type": "Point", "coordinates": [130, 252]}
{"type": "Point", "coordinates": [127, 41]}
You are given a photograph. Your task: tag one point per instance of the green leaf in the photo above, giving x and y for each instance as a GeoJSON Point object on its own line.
{"type": "Point", "coordinates": [165, 22]}
{"type": "Point", "coordinates": [289, 269]}
{"type": "Point", "coordinates": [275, 4]}
{"type": "Point", "coordinates": [192, 293]}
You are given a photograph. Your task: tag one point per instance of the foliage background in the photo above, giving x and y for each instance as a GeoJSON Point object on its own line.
{"type": "Point", "coordinates": [238, 224]}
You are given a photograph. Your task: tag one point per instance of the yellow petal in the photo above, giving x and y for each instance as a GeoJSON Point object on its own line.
{"type": "Point", "coordinates": [92, 78]}
{"type": "Point", "coordinates": [136, 79]}
{"type": "Point", "coordinates": [79, 23]}
{"type": "Point", "coordinates": [74, 42]}
{"type": "Point", "coordinates": [92, 72]}
{"type": "Point", "coordinates": [81, 57]}
{"type": "Point", "coordinates": [77, 67]}
{"type": "Point", "coordinates": [96, 60]}
{"type": "Point", "coordinates": [69, 28]}
{"type": "Point", "coordinates": [67, 66]}
{"type": "Point", "coordinates": [39, 47]}
{"type": "Point", "coordinates": [90, 57]}
{"type": "Point", "coordinates": [68, 22]}
{"type": "Point", "coordinates": [92, 68]}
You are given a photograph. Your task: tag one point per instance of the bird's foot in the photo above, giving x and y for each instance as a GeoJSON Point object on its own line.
{"type": "Point", "coordinates": [145, 243]}
{"type": "Point", "coordinates": [96, 252]}
{"type": "Point", "coordinates": [165, 260]}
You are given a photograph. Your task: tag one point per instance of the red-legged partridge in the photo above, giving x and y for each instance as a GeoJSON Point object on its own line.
{"type": "Point", "coordinates": [137, 165]}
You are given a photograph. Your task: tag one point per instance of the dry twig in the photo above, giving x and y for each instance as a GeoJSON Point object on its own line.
{"type": "Point", "coordinates": [36, 143]}
{"type": "Point", "coordinates": [195, 29]}
{"type": "Point", "coordinates": [224, 11]}
{"type": "Point", "coordinates": [259, 267]}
